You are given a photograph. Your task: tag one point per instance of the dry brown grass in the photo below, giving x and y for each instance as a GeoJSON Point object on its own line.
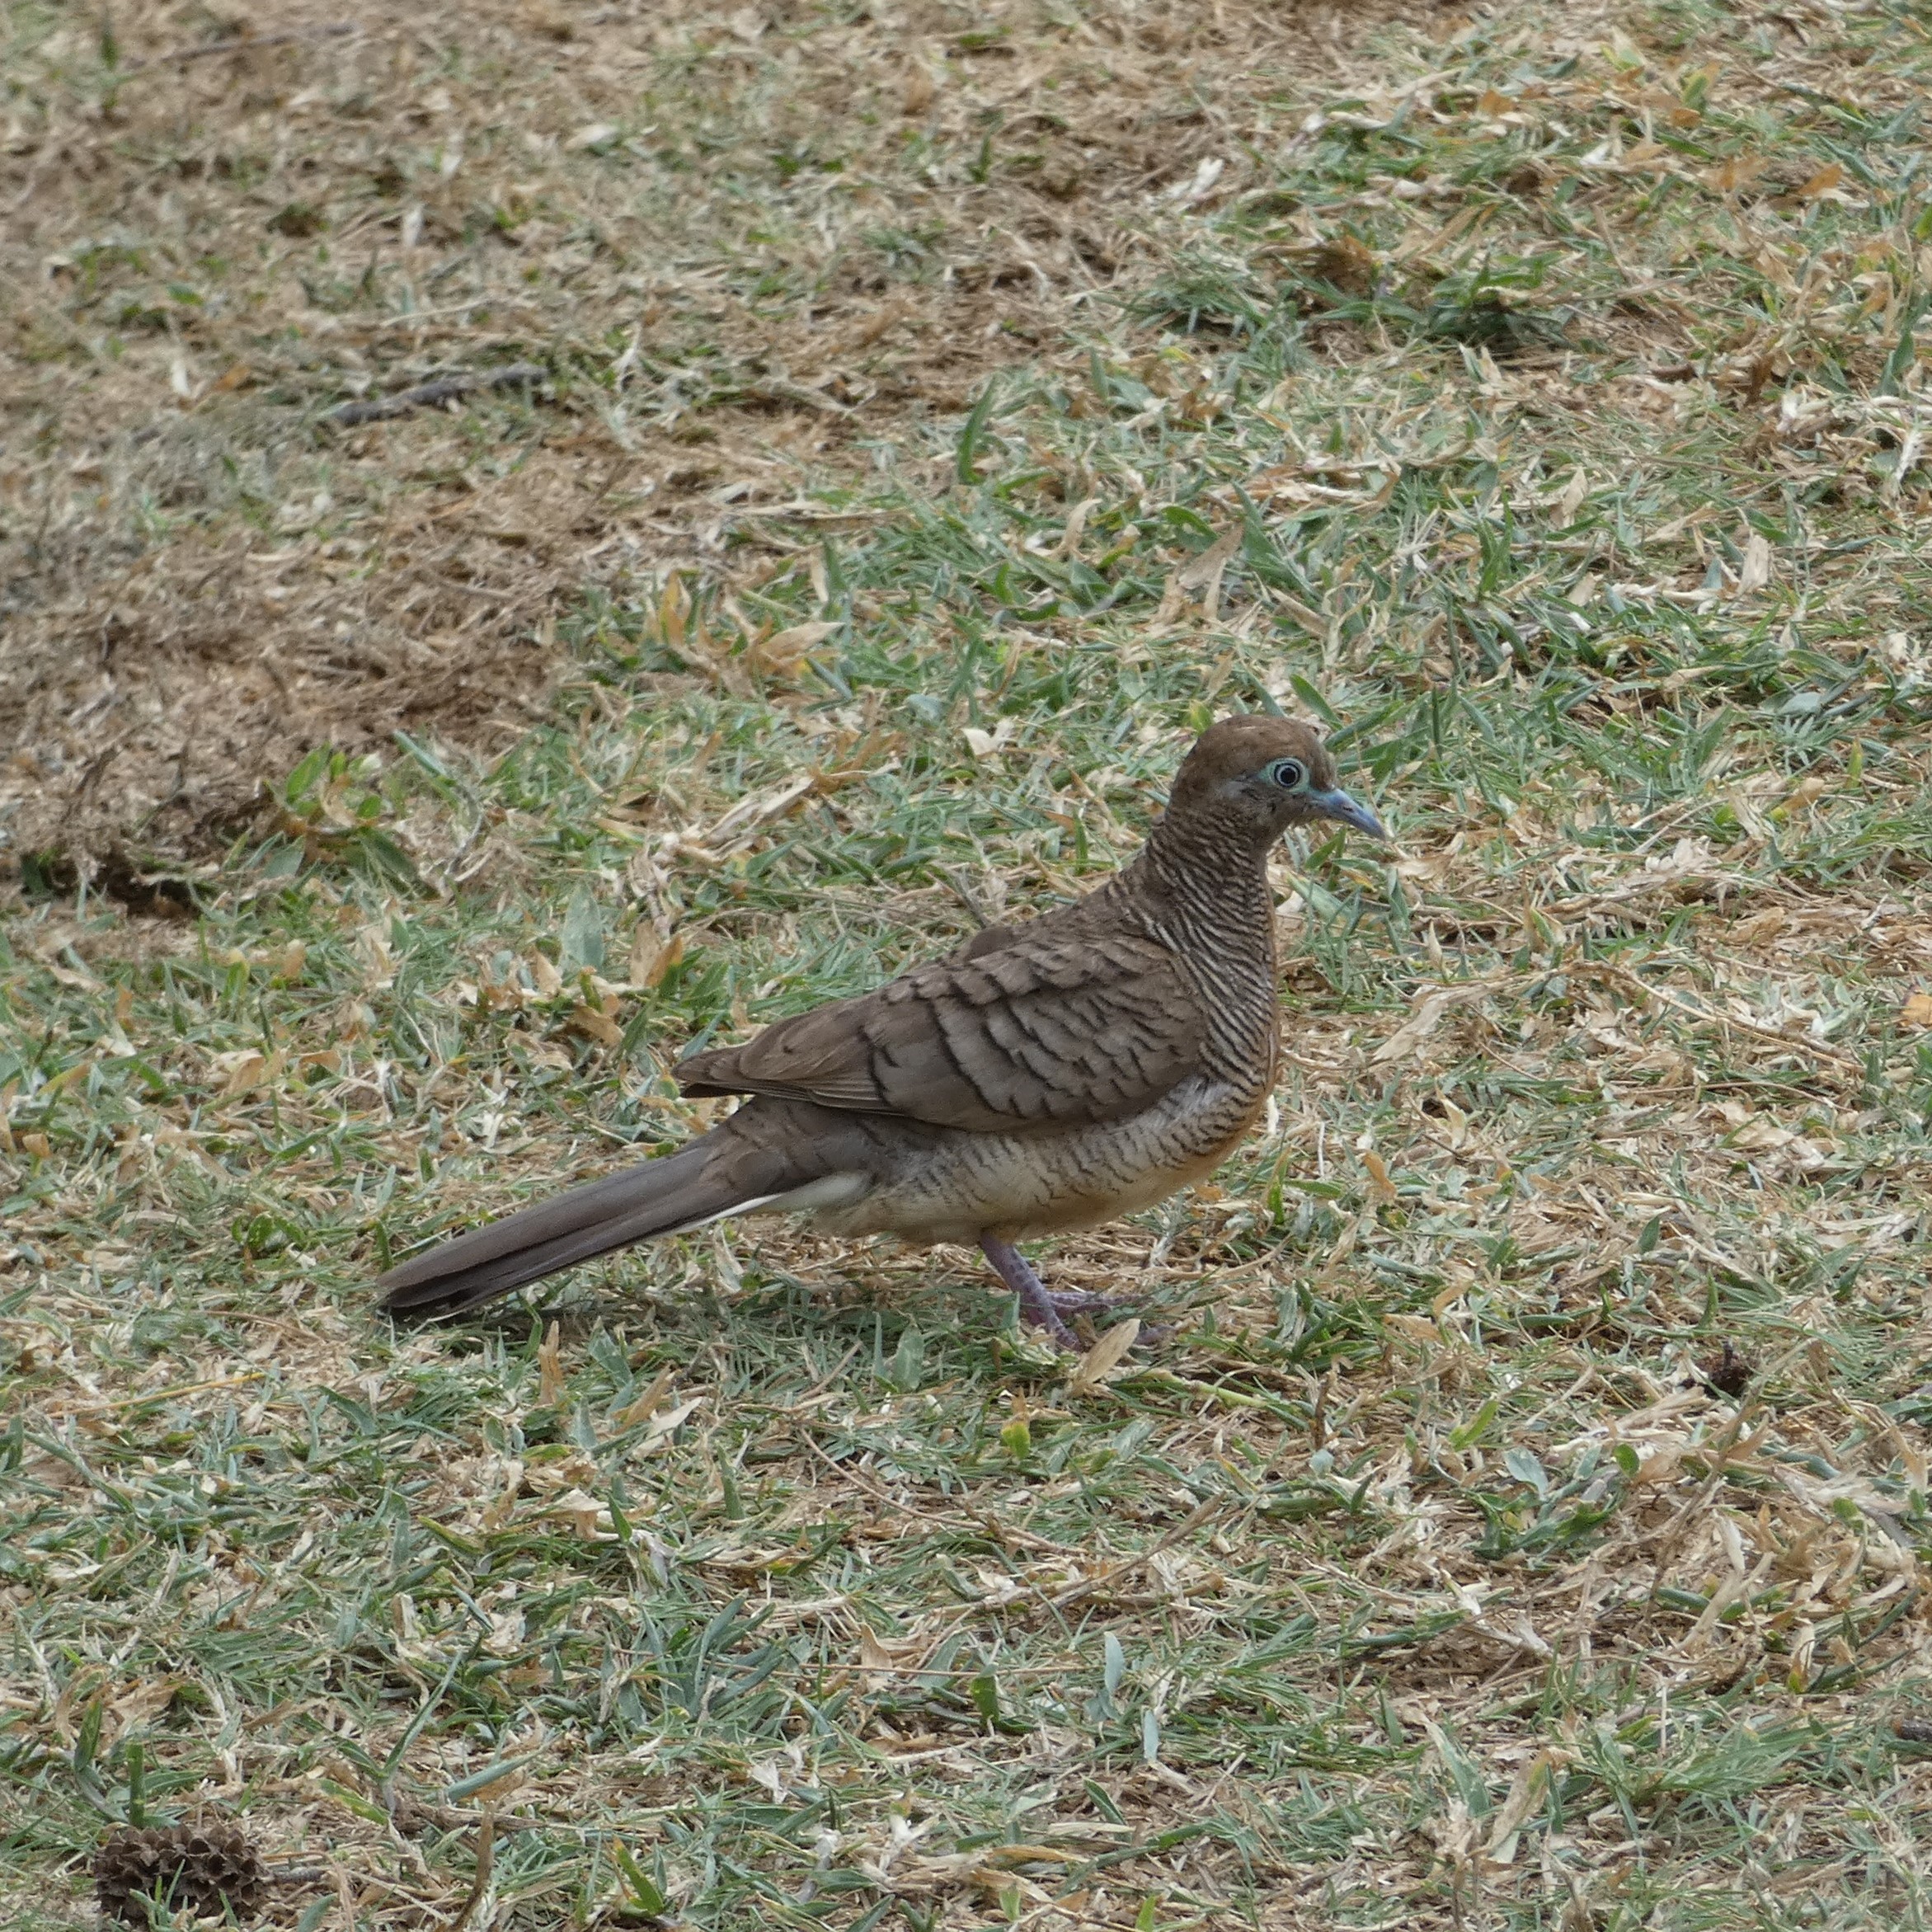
{"type": "Point", "coordinates": [1526, 1524]}
{"type": "Point", "coordinates": [757, 251]}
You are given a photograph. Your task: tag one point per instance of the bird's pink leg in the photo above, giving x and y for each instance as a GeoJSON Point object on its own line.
{"type": "Point", "coordinates": [1036, 1303]}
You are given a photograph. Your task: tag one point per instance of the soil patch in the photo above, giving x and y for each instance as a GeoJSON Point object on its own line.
{"type": "Point", "coordinates": [757, 255]}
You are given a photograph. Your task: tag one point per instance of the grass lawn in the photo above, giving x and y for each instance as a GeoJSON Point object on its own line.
{"type": "Point", "coordinates": [933, 416]}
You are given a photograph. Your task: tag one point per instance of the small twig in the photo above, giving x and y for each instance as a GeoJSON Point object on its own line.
{"type": "Point", "coordinates": [429, 395]}
{"type": "Point", "coordinates": [240, 44]}
{"type": "Point", "coordinates": [154, 1396]}
{"type": "Point", "coordinates": [26, 193]}
{"type": "Point", "coordinates": [1087, 1586]}
{"type": "Point", "coordinates": [1795, 1043]}
{"type": "Point", "coordinates": [804, 512]}
{"type": "Point", "coordinates": [485, 1860]}
{"type": "Point", "coordinates": [446, 1818]}
{"type": "Point", "coordinates": [777, 389]}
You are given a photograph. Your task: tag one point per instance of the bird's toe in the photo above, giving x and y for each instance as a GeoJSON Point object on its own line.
{"type": "Point", "coordinates": [1081, 1301]}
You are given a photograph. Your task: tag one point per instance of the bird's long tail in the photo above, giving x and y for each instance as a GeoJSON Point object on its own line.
{"type": "Point", "coordinates": [698, 1183]}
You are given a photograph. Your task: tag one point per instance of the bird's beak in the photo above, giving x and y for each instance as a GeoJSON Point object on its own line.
{"type": "Point", "coordinates": [1338, 805]}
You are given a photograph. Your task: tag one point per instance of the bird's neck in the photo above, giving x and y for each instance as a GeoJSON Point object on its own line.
{"type": "Point", "coordinates": [1203, 889]}
{"type": "Point", "coordinates": [1208, 883]}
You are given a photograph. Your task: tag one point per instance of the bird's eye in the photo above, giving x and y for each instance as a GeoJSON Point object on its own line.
{"type": "Point", "coordinates": [1290, 774]}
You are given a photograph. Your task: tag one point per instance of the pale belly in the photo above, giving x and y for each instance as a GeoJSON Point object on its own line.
{"type": "Point", "coordinates": [1016, 1186]}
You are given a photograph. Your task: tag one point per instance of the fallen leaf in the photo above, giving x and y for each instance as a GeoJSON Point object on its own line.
{"type": "Point", "coordinates": [1070, 537]}
{"type": "Point", "coordinates": [595, 1025]}
{"type": "Point", "coordinates": [783, 649]}
{"type": "Point", "coordinates": [1738, 172]}
{"type": "Point", "coordinates": [1205, 570]}
{"type": "Point", "coordinates": [1918, 1011]}
{"type": "Point", "coordinates": [550, 1382]}
{"type": "Point", "coordinates": [1428, 1015]}
{"type": "Point", "coordinates": [920, 88]}
{"type": "Point", "coordinates": [498, 1511]}
{"type": "Point", "coordinates": [243, 1072]}
{"type": "Point", "coordinates": [653, 954]}
{"type": "Point", "coordinates": [1093, 1368]}
{"type": "Point", "coordinates": [663, 1427]}
{"type": "Point", "coordinates": [984, 744]}
{"type": "Point", "coordinates": [635, 1412]}
{"type": "Point", "coordinates": [580, 1510]}
{"type": "Point", "coordinates": [1424, 1334]}
{"type": "Point", "coordinates": [1808, 790]}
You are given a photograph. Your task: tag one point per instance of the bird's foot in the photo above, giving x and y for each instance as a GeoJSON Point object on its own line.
{"type": "Point", "coordinates": [1037, 1305]}
{"type": "Point", "coordinates": [1081, 1301]}
{"type": "Point", "coordinates": [1067, 1302]}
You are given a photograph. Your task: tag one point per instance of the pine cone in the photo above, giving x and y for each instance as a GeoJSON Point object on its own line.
{"type": "Point", "coordinates": [197, 1869]}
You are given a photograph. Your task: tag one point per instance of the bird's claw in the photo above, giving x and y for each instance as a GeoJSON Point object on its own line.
{"type": "Point", "coordinates": [1081, 1301]}
{"type": "Point", "coordinates": [1065, 1302]}
{"type": "Point", "coordinates": [1049, 1308]}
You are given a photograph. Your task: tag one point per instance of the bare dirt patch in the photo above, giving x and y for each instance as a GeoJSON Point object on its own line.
{"type": "Point", "coordinates": [756, 253]}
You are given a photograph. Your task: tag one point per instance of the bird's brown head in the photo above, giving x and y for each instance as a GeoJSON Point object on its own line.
{"type": "Point", "coordinates": [1264, 774]}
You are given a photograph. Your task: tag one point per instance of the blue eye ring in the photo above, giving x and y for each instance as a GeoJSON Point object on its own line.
{"type": "Point", "coordinates": [1290, 774]}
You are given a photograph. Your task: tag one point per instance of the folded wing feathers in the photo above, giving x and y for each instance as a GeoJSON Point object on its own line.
{"type": "Point", "coordinates": [1033, 1035]}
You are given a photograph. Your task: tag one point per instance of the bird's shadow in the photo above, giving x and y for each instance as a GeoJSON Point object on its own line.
{"type": "Point", "coordinates": [968, 1321]}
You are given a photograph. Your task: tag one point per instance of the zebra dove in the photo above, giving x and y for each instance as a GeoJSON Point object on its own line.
{"type": "Point", "coordinates": [1046, 1076]}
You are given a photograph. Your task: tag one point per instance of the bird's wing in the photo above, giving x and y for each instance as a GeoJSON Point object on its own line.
{"type": "Point", "coordinates": [1046, 1030]}
{"type": "Point", "coordinates": [987, 939]}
